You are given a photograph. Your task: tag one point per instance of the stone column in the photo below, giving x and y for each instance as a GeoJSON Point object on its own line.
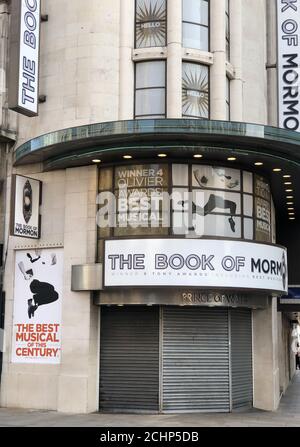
{"type": "Point", "coordinates": [218, 69]}
{"type": "Point", "coordinates": [126, 64]}
{"type": "Point", "coordinates": [236, 85]}
{"type": "Point", "coordinates": [78, 380]}
{"type": "Point", "coordinates": [265, 358]}
{"type": "Point", "coordinates": [174, 64]}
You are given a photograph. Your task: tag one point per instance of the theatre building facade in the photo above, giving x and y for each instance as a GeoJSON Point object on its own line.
{"type": "Point", "coordinates": [149, 201]}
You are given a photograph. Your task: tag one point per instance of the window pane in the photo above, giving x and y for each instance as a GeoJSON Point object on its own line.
{"type": "Point", "coordinates": [216, 177]}
{"type": "Point", "coordinates": [208, 202]}
{"type": "Point", "coordinates": [150, 23]}
{"type": "Point", "coordinates": [248, 182]}
{"type": "Point", "coordinates": [195, 36]}
{"type": "Point", "coordinates": [150, 102]}
{"type": "Point", "coordinates": [220, 226]}
{"type": "Point", "coordinates": [195, 100]}
{"type": "Point", "coordinates": [180, 175]}
{"type": "Point", "coordinates": [105, 179]}
{"type": "Point", "coordinates": [248, 229]}
{"type": "Point", "coordinates": [195, 11]}
{"type": "Point", "coordinates": [248, 205]}
{"type": "Point", "coordinates": [150, 74]}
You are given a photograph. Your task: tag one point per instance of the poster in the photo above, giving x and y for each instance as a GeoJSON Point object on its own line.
{"type": "Point", "coordinates": [262, 210]}
{"type": "Point", "coordinates": [37, 306]}
{"type": "Point", "coordinates": [26, 205]}
{"type": "Point", "coordinates": [139, 192]}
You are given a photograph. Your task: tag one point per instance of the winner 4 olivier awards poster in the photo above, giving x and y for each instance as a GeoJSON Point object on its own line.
{"type": "Point", "coordinates": [37, 306]}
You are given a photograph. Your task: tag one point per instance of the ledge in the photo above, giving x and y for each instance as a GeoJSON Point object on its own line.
{"type": "Point", "coordinates": [76, 146]}
{"type": "Point", "coordinates": [7, 136]}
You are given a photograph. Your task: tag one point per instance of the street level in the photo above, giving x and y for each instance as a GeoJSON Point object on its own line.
{"type": "Point", "coordinates": [288, 415]}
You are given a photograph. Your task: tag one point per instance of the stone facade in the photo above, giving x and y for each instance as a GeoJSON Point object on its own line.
{"type": "Point", "coordinates": [87, 76]}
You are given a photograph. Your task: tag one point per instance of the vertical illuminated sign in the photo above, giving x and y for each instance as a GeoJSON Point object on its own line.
{"type": "Point", "coordinates": [288, 16]}
{"type": "Point", "coordinates": [24, 56]}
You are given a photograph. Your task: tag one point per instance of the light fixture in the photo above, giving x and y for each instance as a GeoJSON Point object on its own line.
{"type": "Point", "coordinates": [289, 190]}
{"type": "Point", "coordinates": [291, 214]}
{"type": "Point", "coordinates": [290, 203]}
{"type": "Point", "coordinates": [231, 158]}
{"type": "Point", "coordinates": [259, 163]}
{"type": "Point", "coordinates": [291, 209]}
{"type": "Point", "coordinates": [288, 183]}
{"type": "Point", "coordinates": [162, 155]}
{"type": "Point", "coordinates": [198, 156]}
{"type": "Point", "coordinates": [127, 157]}
{"type": "Point", "coordinates": [290, 197]}
{"type": "Point", "coordinates": [277, 170]}
{"type": "Point", "coordinates": [96, 160]}
{"type": "Point", "coordinates": [292, 218]}
{"type": "Point", "coordinates": [287, 176]}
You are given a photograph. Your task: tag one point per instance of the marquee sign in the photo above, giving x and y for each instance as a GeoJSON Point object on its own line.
{"type": "Point", "coordinates": [24, 56]}
{"type": "Point", "coordinates": [288, 16]}
{"type": "Point", "coordinates": [195, 263]}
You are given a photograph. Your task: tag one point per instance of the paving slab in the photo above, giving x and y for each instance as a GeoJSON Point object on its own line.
{"type": "Point", "coordinates": [287, 415]}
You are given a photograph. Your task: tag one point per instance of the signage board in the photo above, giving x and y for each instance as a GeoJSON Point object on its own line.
{"type": "Point", "coordinates": [26, 200]}
{"type": "Point", "coordinates": [288, 18]}
{"type": "Point", "coordinates": [23, 90]}
{"type": "Point", "coordinates": [37, 306]}
{"type": "Point", "coordinates": [195, 263]}
{"type": "Point", "coordinates": [182, 297]}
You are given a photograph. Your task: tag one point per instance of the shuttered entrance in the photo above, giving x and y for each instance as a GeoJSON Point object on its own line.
{"type": "Point", "coordinates": [195, 360]}
{"type": "Point", "coordinates": [175, 359]}
{"type": "Point", "coordinates": [129, 359]}
{"type": "Point", "coordinates": [241, 358]}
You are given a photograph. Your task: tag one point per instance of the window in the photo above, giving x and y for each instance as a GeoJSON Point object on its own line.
{"type": "Point", "coordinates": [150, 23]}
{"type": "Point", "coordinates": [227, 29]}
{"type": "Point", "coordinates": [227, 98]}
{"type": "Point", "coordinates": [195, 24]}
{"type": "Point", "coordinates": [195, 90]}
{"type": "Point", "coordinates": [206, 201]}
{"type": "Point", "coordinates": [150, 89]}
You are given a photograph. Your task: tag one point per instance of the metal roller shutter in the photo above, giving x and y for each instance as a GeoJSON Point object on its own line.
{"type": "Point", "coordinates": [129, 359]}
{"type": "Point", "coordinates": [241, 358]}
{"type": "Point", "coordinates": [195, 360]}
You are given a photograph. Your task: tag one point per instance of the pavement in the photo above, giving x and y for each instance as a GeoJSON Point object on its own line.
{"type": "Point", "coordinates": [288, 415]}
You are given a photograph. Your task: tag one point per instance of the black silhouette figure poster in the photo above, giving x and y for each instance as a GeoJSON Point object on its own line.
{"type": "Point", "coordinates": [217, 193]}
{"type": "Point", "coordinates": [37, 306]}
